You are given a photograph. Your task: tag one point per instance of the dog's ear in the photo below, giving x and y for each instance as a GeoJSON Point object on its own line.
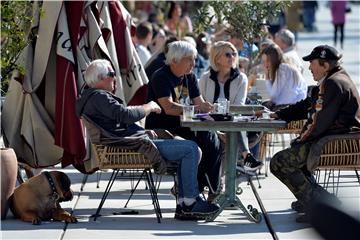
{"type": "Point", "coordinates": [65, 182]}
{"type": "Point", "coordinates": [62, 179]}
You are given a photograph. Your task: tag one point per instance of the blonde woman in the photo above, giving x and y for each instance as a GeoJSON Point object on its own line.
{"type": "Point", "coordinates": [225, 80]}
{"type": "Point", "coordinates": [285, 84]}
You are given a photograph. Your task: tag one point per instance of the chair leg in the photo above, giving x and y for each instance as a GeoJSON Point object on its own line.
{"type": "Point", "coordinates": [106, 193]}
{"type": "Point", "coordinates": [325, 175]}
{"type": "Point", "coordinates": [83, 182]}
{"type": "Point", "coordinates": [268, 155]}
{"type": "Point", "coordinates": [98, 177]}
{"type": "Point", "coordinates": [317, 175]}
{"type": "Point", "coordinates": [357, 175]}
{"type": "Point", "coordinates": [158, 182]}
{"type": "Point", "coordinates": [134, 188]}
{"type": "Point", "coordinates": [153, 194]}
{"type": "Point", "coordinates": [337, 184]}
{"type": "Point", "coordinates": [19, 176]}
{"type": "Point", "coordinates": [257, 178]}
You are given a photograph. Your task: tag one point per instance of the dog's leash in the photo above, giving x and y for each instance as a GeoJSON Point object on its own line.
{"type": "Point", "coordinates": [52, 185]}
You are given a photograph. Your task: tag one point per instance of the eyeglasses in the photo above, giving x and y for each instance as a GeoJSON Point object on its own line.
{"type": "Point", "coordinates": [111, 74]}
{"type": "Point", "coordinates": [230, 54]}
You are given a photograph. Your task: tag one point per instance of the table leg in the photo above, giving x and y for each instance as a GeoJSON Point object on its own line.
{"type": "Point", "coordinates": [229, 198]}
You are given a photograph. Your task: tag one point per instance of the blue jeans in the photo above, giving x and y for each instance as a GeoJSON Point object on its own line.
{"type": "Point", "coordinates": [185, 152]}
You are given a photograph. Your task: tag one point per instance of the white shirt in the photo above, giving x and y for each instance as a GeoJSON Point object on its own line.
{"type": "Point", "coordinates": [293, 58]}
{"type": "Point", "coordinates": [238, 89]}
{"type": "Point", "coordinates": [289, 86]}
{"type": "Point", "coordinates": [144, 54]}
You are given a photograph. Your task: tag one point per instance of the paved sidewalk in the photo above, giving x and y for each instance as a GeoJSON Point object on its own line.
{"type": "Point", "coordinates": [231, 224]}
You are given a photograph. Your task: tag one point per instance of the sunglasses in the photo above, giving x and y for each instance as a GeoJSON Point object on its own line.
{"type": "Point", "coordinates": [111, 74]}
{"type": "Point", "coordinates": [230, 55]}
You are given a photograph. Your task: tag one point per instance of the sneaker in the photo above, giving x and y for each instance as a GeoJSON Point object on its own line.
{"type": "Point", "coordinates": [251, 163]}
{"type": "Point", "coordinates": [198, 210]}
{"type": "Point", "coordinates": [179, 215]}
{"type": "Point", "coordinates": [241, 170]}
{"type": "Point", "coordinates": [298, 206]}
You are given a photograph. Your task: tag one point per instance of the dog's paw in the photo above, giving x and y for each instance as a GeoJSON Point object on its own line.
{"type": "Point", "coordinates": [36, 221]}
{"type": "Point", "coordinates": [62, 215]}
{"type": "Point", "coordinates": [71, 219]}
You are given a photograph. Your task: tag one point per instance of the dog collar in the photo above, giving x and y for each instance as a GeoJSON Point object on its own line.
{"type": "Point", "coordinates": [51, 182]}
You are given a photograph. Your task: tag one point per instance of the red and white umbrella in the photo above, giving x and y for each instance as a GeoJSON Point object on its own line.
{"type": "Point", "coordinates": [38, 117]}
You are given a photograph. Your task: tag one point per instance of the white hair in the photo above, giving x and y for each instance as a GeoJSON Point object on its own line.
{"type": "Point", "coordinates": [286, 36]}
{"type": "Point", "coordinates": [178, 50]}
{"type": "Point", "coordinates": [96, 70]}
{"type": "Point", "coordinates": [190, 40]}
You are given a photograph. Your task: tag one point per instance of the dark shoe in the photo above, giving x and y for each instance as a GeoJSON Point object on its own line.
{"type": "Point", "coordinates": [298, 206]}
{"type": "Point", "coordinates": [241, 170]}
{"type": "Point", "coordinates": [198, 210]}
{"type": "Point", "coordinates": [179, 215]}
{"type": "Point", "coordinates": [251, 163]}
{"type": "Point", "coordinates": [212, 197]}
{"type": "Point", "coordinates": [303, 218]}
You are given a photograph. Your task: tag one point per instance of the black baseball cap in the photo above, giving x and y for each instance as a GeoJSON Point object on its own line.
{"type": "Point", "coordinates": [323, 52]}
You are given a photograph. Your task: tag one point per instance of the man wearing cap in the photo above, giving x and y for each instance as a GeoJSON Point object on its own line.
{"type": "Point", "coordinates": [333, 107]}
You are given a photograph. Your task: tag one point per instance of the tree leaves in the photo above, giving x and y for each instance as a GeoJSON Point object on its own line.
{"type": "Point", "coordinates": [244, 19]}
{"type": "Point", "coordinates": [15, 23]}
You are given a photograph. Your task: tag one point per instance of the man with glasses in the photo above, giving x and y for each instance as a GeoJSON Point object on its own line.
{"type": "Point", "coordinates": [108, 111]}
{"type": "Point", "coordinates": [173, 86]}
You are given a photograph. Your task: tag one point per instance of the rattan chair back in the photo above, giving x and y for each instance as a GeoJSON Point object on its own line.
{"type": "Point", "coordinates": [341, 154]}
{"type": "Point", "coordinates": [292, 127]}
{"type": "Point", "coordinates": [110, 156]}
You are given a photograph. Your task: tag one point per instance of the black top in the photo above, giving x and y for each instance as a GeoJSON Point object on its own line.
{"type": "Point", "coordinates": [155, 64]}
{"type": "Point", "coordinates": [165, 84]}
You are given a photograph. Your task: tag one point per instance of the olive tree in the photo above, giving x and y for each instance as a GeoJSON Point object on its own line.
{"type": "Point", "coordinates": [16, 18]}
{"type": "Point", "coordinates": [244, 19]}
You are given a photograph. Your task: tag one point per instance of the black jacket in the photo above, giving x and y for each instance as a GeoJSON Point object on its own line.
{"type": "Point", "coordinates": [333, 107]}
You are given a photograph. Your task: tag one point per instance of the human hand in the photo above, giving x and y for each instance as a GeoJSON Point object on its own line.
{"type": "Point", "coordinates": [206, 107]}
{"type": "Point", "coordinates": [152, 134]}
{"type": "Point", "coordinates": [261, 113]}
{"type": "Point", "coordinates": [152, 107]}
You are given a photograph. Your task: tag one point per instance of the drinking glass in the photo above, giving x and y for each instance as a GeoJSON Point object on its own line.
{"type": "Point", "coordinates": [188, 112]}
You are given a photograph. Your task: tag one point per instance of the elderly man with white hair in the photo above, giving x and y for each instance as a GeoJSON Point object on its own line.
{"type": "Point", "coordinates": [173, 86]}
{"type": "Point", "coordinates": [285, 39]}
{"type": "Point", "coordinates": [100, 106]}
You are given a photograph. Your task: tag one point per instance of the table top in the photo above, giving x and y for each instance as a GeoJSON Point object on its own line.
{"type": "Point", "coordinates": [268, 125]}
{"type": "Point", "coordinates": [245, 109]}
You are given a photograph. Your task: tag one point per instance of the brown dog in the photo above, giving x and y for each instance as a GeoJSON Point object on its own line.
{"type": "Point", "coordinates": [38, 198]}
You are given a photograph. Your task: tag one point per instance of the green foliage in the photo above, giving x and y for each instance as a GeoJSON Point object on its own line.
{"type": "Point", "coordinates": [244, 19]}
{"type": "Point", "coordinates": [15, 24]}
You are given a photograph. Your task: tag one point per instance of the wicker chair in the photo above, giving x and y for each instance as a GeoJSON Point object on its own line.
{"type": "Point", "coordinates": [267, 142]}
{"type": "Point", "coordinates": [110, 156]}
{"type": "Point", "coordinates": [336, 152]}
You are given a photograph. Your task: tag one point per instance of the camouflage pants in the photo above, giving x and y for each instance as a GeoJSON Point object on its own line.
{"type": "Point", "coordinates": [289, 166]}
